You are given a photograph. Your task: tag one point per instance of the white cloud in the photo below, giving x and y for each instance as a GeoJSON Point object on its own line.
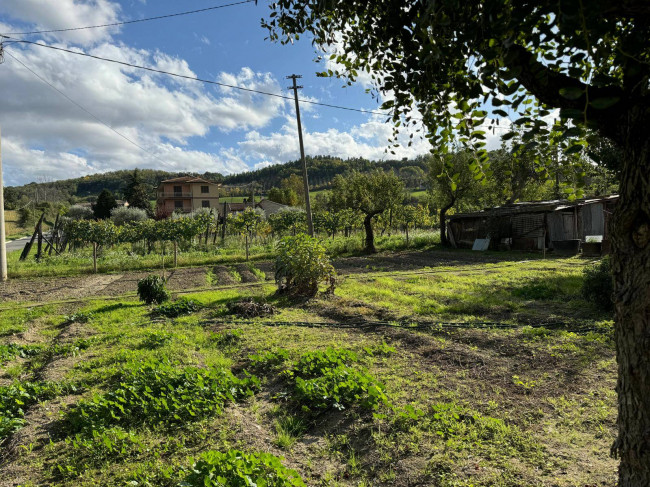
{"type": "Point", "coordinates": [63, 14]}
{"type": "Point", "coordinates": [150, 109]}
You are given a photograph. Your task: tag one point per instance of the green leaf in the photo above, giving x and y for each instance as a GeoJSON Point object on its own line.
{"type": "Point", "coordinates": [605, 102]}
{"type": "Point", "coordinates": [571, 92]}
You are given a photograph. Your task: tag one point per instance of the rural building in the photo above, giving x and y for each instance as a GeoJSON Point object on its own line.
{"type": "Point", "coordinates": [186, 194]}
{"type": "Point", "coordinates": [559, 225]}
{"type": "Point", "coordinates": [269, 207]}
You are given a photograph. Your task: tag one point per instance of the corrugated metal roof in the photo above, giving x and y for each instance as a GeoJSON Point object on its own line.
{"type": "Point", "coordinates": [532, 207]}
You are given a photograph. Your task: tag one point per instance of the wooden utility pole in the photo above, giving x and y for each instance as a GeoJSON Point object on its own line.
{"type": "Point", "coordinates": [310, 223]}
{"type": "Point", "coordinates": [3, 243]}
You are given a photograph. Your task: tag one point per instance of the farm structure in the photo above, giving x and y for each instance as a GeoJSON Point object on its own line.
{"type": "Point", "coordinates": [559, 225]}
{"type": "Point", "coordinates": [186, 194]}
{"type": "Point", "coordinates": [269, 207]}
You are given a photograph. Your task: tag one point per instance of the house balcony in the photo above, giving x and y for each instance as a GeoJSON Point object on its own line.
{"type": "Point", "coordinates": [174, 194]}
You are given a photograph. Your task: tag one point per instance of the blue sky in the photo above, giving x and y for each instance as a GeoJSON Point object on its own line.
{"type": "Point", "coordinates": [183, 125]}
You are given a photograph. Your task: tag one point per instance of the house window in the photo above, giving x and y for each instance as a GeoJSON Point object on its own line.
{"type": "Point", "coordinates": [178, 205]}
{"type": "Point", "coordinates": [178, 190]}
{"type": "Point", "coordinates": [205, 204]}
{"type": "Point", "coordinates": [205, 190]}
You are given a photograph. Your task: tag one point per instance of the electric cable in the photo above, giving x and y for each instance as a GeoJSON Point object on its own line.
{"type": "Point", "coordinates": [126, 22]}
{"type": "Point", "coordinates": [81, 107]}
{"type": "Point", "coordinates": [194, 78]}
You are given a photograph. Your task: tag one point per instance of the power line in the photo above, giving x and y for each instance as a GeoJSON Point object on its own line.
{"type": "Point", "coordinates": [193, 78]}
{"type": "Point", "coordinates": [78, 105]}
{"type": "Point", "coordinates": [114, 24]}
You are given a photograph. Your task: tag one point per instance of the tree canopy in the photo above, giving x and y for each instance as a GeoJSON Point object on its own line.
{"type": "Point", "coordinates": [464, 65]}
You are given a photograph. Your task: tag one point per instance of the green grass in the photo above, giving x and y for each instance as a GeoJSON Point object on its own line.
{"type": "Point", "coordinates": [464, 407]}
{"type": "Point", "coordinates": [134, 257]}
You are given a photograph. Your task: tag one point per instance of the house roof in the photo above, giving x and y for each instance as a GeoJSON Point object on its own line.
{"type": "Point", "coordinates": [189, 179]}
{"type": "Point", "coordinates": [533, 207]}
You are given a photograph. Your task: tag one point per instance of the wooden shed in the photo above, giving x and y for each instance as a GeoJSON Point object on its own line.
{"type": "Point", "coordinates": [536, 225]}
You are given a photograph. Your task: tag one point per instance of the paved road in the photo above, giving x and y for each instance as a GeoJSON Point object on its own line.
{"type": "Point", "coordinates": [18, 244]}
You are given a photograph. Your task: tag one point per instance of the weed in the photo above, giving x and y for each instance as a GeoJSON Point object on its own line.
{"type": "Point", "coordinates": [260, 274]}
{"type": "Point", "coordinates": [270, 360]}
{"type": "Point", "coordinates": [180, 307]}
{"type": "Point", "coordinates": [17, 397]}
{"type": "Point", "coordinates": [598, 286]}
{"type": "Point", "coordinates": [236, 276]}
{"type": "Point", "coordinates": [158, 393]}
{"type": "Point", "coordinates": [227, 339]}
{"type": "Point", "coordinates": [78, 317]}
{"type": "Point", "coordinates": [156, 339]}
{"type": "Point", "coordinates": [288, 429]}
{"type": "Point", "coordinates": [11, 350]}
{"type": "Point", "coordinates": [235, 468]}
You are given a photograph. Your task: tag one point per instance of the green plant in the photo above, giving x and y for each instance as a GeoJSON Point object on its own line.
{"type": "Point", "coordinates": [157, 339]}
{"type": "Point", "coordinates": [227, 338]}
{"type": "Point", "coordinates": [159, 393]}
{"type": "Point", "coordinates": [236, 468]}
{"type": "Point", "coordinates": [17, 397]}
{"type": "Point", "coordinates": [288, 429]}
{"type": "Point", "coordinates": [597, 286]}
{"type": "Point", "coordinates": [11, 350]}
{"type": "Point", "coordinates": [182, 306]}
{"type": "Point", "coordinates": [301, 264]}
{"type": "Point", "coordinates": [152, 290]}
{"type": "Point", "coordinates": [326, 379]}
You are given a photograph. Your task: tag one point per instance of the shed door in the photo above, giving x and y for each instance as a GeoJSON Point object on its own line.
{"type": "Point", "coordinates": [567, 221]}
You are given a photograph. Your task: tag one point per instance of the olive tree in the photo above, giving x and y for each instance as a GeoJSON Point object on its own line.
{"type": "Point", "coordinates": [370, 193]}
{"type": "Point", "coordinates": [521, 59]}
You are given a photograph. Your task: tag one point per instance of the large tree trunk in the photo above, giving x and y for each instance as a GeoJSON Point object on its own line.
{"type": "Point", "coordinates": [370, 236]}
{"type": "Point", "coordinates": [631, 272]}
{"type": "Point", "coordinates": [443, 226]}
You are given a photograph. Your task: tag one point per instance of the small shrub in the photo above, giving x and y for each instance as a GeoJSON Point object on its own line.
{"type": "Point", "coordinates": [301, 265]}
{"type": "Point", "coordinates": [158, 393]}
{"type": "Point", "coordinates": [180, 307]}
{"type": "Point", "coordinates": [124, 215]}
{"type": "Point", "coordinates": [597, 286]}
{"type": "Point", "coordinates": [235, 468]}
{"type": "Point", "coordinates": [152, 290]}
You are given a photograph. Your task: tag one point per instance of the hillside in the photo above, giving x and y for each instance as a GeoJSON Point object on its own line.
{"type": "Point", "coordinates": [322, 170]}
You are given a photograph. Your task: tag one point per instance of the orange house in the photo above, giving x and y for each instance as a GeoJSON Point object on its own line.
{"type": "Point", "coordinates": [186, 194]}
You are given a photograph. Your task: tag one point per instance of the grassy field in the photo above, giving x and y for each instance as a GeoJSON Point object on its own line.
{"type": "Point", "coordinates": [128, 257]}
{"type": "Point", "coordinates": [114, 392]}
{"type": "Point", "coordinates": [13, 229]}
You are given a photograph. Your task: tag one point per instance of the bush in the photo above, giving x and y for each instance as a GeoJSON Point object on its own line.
{"type": "Point", "coordinates": [78, 212]}
{"type": "Point", "coordinates": [597, 286]}
{"type": "Point", "coordinates": [152, 290]}
{"type": "Point", "coordinates": [180, 307]}
{"type": "Point", "coordinates": [123, 215]}
{"type": "Point", "coordinates": [235, 468]}
{"type": "Point", "coordinates": [302, 263]}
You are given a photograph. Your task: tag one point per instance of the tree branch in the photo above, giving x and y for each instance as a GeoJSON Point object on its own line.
{"type": "Point", "coordinates": [545, 84]}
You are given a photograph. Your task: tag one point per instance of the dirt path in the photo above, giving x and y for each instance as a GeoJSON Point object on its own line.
{"type": "Point", "coordinates": [61, 288]}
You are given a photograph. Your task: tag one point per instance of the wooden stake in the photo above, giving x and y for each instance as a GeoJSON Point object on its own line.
{"type": "Point", "coordinates": [95, 257]}
{"type": "Point", "coordinates": [3, 243]}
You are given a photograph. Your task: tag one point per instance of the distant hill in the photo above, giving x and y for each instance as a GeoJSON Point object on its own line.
{"type": "Point", "coordinates": [322, 170]}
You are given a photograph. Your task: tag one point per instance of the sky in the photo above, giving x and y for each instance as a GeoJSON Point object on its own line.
{"type": "Point", "coordinates": [164, 122]}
